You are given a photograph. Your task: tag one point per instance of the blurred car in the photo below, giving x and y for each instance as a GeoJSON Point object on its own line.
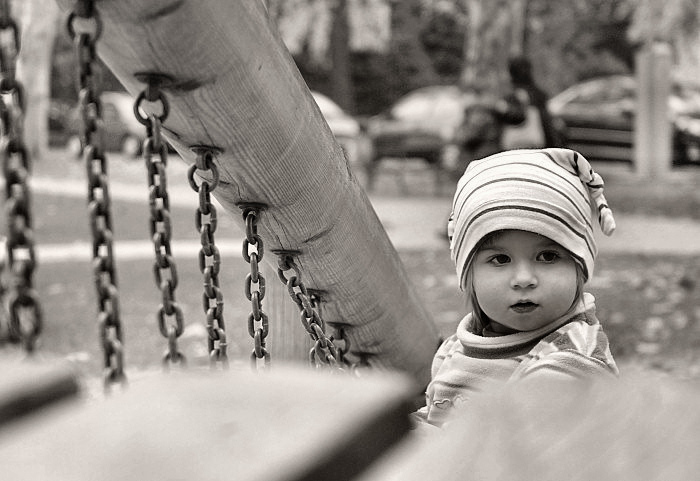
{"type": "Point", "coordinates": [596, 118]}
{"type": "Point", "coordinates": [58, 122]}
{"type": "Point", "coordinates": [345, 128]}
{"type": "Point", "coordinates": [420, 124]}
{"type": "Point", "coordinates": [122, 131]}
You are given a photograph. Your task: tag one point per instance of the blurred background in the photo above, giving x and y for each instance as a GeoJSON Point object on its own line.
{"type": "Point", "coordinates": [394, 79]}
{"type": "Point", "coordinates": [368, 57]}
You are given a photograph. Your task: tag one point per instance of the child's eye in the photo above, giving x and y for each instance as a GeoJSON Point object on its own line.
{"type": "Point", "coordinates": [499, 259]}
{"type": "Point", "coordinates": [548, 256]}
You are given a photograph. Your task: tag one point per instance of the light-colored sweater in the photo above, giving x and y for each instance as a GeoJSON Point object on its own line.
{"type": "Point", "coordinates": [573, 346]}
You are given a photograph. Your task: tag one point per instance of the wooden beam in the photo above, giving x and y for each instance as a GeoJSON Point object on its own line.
{"type": "Point", "coordinates": [235, 87]}
{"type": "Point", "coordinates": [285, 425]}
{"type": "Point", "coordinates": [30, 388]}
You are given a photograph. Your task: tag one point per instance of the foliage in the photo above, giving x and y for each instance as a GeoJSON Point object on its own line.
{"type": "Point", "coordinates": [442, 35]}
{"type": "Point", "coordinates": [370, 72]}
{"type": "Point", "coordinates": [306, 25]}
{"type": "Point", "coordinates": [675, 22]}
{"type": "Point", "coordinates": [567, 41]}
{"type": "Point", "coordinates": [429, 54]}
{"type": "Point", "coordinates": [589, 39]}
{"type": "Point", "coordinates": [663, 21]}
{"type": "Point", "coordinates": [428, 42]}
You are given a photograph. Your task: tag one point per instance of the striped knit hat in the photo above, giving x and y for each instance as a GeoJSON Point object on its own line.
{"type": "Point", "coordinates": [552, 192]}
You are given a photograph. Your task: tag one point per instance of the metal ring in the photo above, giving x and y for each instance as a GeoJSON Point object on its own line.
{"type": "Point", "coordinates": [145, 120]}
{"type": "Point", "coordinates": [71, 31]}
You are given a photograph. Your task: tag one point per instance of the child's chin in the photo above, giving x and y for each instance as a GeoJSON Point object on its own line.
{"type": "Point", "coordinates": [526, 323]}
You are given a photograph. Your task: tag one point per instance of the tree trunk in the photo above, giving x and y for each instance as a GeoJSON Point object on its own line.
{"type": "Point", "coordinates": [235, 87]}
{"type": "Point", "coordinates": [495, 33]}
{"type": "Point", "coordinates": [39, 21]}
{"type": "Point", "coordinates": [341, 76]}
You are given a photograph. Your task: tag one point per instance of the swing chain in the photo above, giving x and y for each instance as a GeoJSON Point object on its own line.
{"type": "Point", "coordinates": [209, 256]}
{"type": "Point", "coordinates": [255, 294]}
{"type": "Point", "coordinates": [84, 26]}
{"type": "Point", "coordinates": [24, 316]}
{"type": "Point", "coordinates": [324, 352]}
{"type": "Point", "coordinates": [155, 153]}
{"type": "Point", "coordinates": [86, 17]}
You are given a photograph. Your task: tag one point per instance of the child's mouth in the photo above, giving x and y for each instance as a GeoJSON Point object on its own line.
{"type": "Point", "coordinates": [524, 307]}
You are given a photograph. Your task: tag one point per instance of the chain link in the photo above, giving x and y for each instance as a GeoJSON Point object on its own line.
{"type": "Point", "coordinates": [4, 314]}
{"type": "Point", "coordinates": [209, 256]}
{"type": "Point", "coordinates": [155, 153]}
{"type": "Point", "coordinates": [258, 322]}
{"type": "Point", "coordinates": [24, 315]}
{"type": "Point", "coordinates": [324, 352]}
{"type": "Point", "coordinates": [84, 27]}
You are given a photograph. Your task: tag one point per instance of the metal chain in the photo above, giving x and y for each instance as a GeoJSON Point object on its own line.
{"type": "Point", "coordinates": [324, 352]}
{"type": "Point", "coordinates": [164, 268]}
{"type": "Point", "coordinates": [85, 18]}
{"type": "Point", "coordinates": [258, 323]}
{"type": "Point", "coordinates": [209, 256]}
{"type": "Point", "coordinates": [339, 335]}
{"type": "Point", "coordinates": [24, 316]}
{"type": "Point", "coordinates": [4, 314]}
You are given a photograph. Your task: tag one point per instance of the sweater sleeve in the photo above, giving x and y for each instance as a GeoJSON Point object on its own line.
{"type": "Point", "coordinates": [421, 415]}
{"type": "Point", "coordinates": [443, 351]}
{"type": "Point", "coordinates": [568, 364]}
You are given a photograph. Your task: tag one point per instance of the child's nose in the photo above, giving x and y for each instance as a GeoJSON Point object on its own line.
{"type": "Point", "coordinates": [523, 276]}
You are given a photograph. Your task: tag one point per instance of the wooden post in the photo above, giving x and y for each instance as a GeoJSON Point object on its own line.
{"type": "Point", "coordinates": [652, 137]}
{"type": "Point", "coordinates": [235, 87]}
{"type": "Point", "coordinates": [39, 23]}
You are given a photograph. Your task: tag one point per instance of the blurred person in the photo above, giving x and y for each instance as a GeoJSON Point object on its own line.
{"type": "Point", "coordinates": [480, 133]}
{"type": "Point", "coordinates": [536, 130]}
{"type": "Point", "coordinates": [522, 240]}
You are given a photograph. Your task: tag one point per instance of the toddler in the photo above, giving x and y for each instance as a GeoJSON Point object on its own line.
{"type": "Point", "coordinates": [522, 241]}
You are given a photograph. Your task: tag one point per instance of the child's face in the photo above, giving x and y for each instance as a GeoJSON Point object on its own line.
{"type": "Point", "coordinates": [523, 281]}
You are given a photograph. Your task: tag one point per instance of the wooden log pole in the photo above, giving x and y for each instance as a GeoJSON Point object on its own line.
{"type": "Point", "coordinates": [235, 87]}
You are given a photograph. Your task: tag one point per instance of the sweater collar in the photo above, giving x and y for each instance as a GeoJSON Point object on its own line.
{"type": "Point", "coordinates": [518, 339]}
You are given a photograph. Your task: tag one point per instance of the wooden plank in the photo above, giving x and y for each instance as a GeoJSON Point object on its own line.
{"type": "Point", "coordinates": [236, 87]}
{"type": "Point", "coordinates": [279, 425]}
{"type": "Point", "coordinates": [28, 388]}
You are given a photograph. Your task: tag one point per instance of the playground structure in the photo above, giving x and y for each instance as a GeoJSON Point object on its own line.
{"type": "Point", "coordinates": [235, 89]}
{"type": "Point", "coordinates": [235, 100]}
{"type": "Point", "coordinates": [236, 109]}
{"type": "Point", "coordinates": [281, 159]}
